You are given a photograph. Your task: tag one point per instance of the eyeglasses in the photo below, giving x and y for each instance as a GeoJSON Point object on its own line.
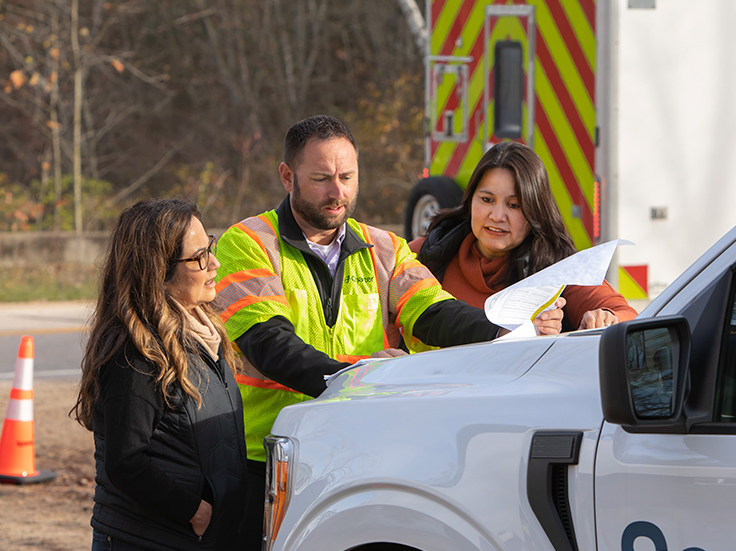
{"type": "Point", "coordinates": [203, 258]}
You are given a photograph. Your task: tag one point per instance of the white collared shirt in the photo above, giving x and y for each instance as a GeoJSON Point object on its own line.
{"type": "Point", "coordinates": [329, 253]}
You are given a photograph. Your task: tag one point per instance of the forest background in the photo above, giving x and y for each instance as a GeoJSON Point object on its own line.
{"type": "Point", "coordinates": [103, 103]}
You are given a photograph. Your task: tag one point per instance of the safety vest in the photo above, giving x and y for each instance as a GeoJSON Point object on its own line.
{"type": "Point", "coordinates": [267, 277]}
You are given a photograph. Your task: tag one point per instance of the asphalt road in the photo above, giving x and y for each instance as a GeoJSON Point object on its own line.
{"type": "Point", "coordinates": [58, 331]}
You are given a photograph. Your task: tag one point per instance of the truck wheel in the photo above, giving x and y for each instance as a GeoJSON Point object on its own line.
{"type": "Point", "coordinates": [427, 197]}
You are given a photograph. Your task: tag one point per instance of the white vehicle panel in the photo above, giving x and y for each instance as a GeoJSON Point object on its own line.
{"type": "Point", "coordinates": [470, 465]}
{"type": "Point", "coordinates": [683, 484]}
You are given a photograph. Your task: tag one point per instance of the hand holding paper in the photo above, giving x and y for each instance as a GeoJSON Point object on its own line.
{"type": "Point", "coordinates": [517, 306]}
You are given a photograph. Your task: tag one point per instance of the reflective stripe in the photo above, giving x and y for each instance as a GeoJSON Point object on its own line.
{"type": "Point", "coordinates": [350, 359]}
{"type": "Point", "coordinates": [262, 231]}
{"type": "Point", "coordinates": [20, 410]}
{"type": "Point", "coordinates": [236, 306]}
{"type": "Point", "coordinates": [418, 286]}
{"type": "Point", "coordinates": [23, 376]}
{"type": "Point", "coordinates": [18, 394]}
{"type": "Point", "coordinates": [261, 383]}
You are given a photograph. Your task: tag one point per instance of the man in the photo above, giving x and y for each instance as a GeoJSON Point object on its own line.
{"type": "Point", "coordinates": [307, 290]}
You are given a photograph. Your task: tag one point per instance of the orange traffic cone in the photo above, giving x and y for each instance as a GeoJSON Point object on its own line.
{"type": "Point", "coordinates": [17, 451]}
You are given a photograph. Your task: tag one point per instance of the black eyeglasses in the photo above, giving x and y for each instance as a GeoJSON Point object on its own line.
{"type": "Point", "coordinates": [203, 258]}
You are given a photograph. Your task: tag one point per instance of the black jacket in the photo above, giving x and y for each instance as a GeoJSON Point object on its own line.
{"type": "Point", "coordinates": [155, 463]}
{"type": "Point", "coordinates": [276, 351]}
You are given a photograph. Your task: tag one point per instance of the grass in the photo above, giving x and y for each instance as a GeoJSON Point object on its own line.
{"type": "Point", "coordinates": [48, 282]}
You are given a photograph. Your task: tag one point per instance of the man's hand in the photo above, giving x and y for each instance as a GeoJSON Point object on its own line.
{"type": "Point", "coordinates": [388, 353]}
{"type": "Point", "coordinates": [549, 322]}
{"type": "Point", "coordinates": [597, 318]}
{"type": "Point", "coordinates": [201, 519]}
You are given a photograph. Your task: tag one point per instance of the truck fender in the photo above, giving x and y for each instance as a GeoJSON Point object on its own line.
{"type": "Point", "coordinates": [382, 512]}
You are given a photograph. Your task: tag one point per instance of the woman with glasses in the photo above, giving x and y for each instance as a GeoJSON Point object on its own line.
{"type": "Point", "coordinates": [158, 390]}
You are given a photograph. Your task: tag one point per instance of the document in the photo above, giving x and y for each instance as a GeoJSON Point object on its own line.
{"type": "Point", "coordinates": [515, 307]}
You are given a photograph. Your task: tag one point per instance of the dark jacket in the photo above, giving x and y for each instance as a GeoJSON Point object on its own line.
{"type": "Point", "coordinates": [276, 351]}
{"type": "Point", "coordinates": [155, 463]}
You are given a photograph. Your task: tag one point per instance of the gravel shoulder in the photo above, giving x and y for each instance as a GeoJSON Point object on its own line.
{"type": "Point", "coordinates": [53, 516]}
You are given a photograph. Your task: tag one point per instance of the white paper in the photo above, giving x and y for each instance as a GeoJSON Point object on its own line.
{"type": "Point", "coordinates": [525, 300]}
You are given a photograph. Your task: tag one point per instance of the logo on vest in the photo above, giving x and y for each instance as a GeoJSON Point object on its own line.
{"type": "Point", "coordinates": [358, 279]}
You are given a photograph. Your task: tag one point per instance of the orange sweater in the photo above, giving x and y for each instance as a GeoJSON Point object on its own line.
{"type": "Point", "coordinates": [472, 278]}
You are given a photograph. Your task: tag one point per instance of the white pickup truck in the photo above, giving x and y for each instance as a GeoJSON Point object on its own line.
{"type": "Point", "coordinates": [619, 439]}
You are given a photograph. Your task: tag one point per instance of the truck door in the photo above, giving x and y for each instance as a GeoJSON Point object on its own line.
{"type": "Point", "coordinates": [508, 101]}
{"type": "Point", "coordinates": [675, 492]}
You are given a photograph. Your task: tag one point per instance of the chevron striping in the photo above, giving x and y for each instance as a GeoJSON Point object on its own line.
{"type": "Point", "coordinates": [581, 92]}
{"type": "Point", "coordinates": [561, 194]}
{"type": "Point", "coordinates": [582, 171]}
{"type": "Point", "coordinates": [564, 168]}
{"type": "Point", "coordinates": [443, 25]}
{"type": "Point", "coordinates": [583, 31]}
{"type": "Point", "coordinates": [583, 133]}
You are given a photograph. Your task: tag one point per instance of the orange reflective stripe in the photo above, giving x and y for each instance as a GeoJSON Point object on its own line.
{"type": "Point", "coordinates": [383, 258]}
{"type": "Point", "coordinates": [263, 218]}
{"type": "Point", "coordinates": [260, 383]}
{"type": "Point", "coordinates": [18, 394]}
{"type": "Point", "coordinates": [247, 301]}
{"type": "Point", "coordinates": [418, 286]}
{"type": "Point", "coordinates": [352, 359]}
{"type": "Point", "coordinates": [245, 229]}
{"type": "Point", "coordinates": [406, 266]}
{"type": "Point", "coordinates": [243, 275]}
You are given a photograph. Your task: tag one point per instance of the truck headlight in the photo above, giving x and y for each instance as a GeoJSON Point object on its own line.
{"type": "Point", "coordinates": [279, 462]}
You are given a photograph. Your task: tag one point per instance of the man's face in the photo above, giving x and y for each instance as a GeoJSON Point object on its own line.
{"type": "Point", "coordinates": [323, 187]}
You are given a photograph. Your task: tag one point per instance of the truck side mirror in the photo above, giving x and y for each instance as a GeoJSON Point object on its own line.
{"type": "Point", "coordinates": [643, 370]}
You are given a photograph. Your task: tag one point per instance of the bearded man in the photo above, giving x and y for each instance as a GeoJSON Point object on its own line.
{"type": "Point", "coordinates": [307, 291]}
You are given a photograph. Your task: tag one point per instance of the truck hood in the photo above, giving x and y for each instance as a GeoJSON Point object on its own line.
{"type": "Point", "coordinates": [491, 364]}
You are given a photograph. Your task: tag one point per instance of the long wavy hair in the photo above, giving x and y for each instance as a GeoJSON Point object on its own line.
{"type": "Point", "coordinates": [134, 304]}
{"type": "Point", "coordinates": [548, 241]}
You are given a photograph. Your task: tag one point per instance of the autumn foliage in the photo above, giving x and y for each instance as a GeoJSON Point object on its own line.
{"type": "Point", "coordinates": [193, 97]}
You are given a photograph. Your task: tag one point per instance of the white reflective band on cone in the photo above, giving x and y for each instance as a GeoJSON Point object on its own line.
{"type": "Point", "coordinates": [20, 410]}
{"type": "Point", "coordinates": [23, 379]}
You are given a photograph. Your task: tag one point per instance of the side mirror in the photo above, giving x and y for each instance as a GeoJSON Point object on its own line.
{"type": "Point", "coordinates": [643, 371]}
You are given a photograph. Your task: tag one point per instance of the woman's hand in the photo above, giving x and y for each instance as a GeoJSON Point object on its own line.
{"type": "Point", "coordinates": [597, 318]}
{"type": "Point", "coordinates": [549, 322]}
{"type": "Point", "coordinates": [201, 519]}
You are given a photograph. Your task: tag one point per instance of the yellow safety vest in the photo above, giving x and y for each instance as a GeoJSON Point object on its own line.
{"type": "Point", "coordinates": [263, 277]}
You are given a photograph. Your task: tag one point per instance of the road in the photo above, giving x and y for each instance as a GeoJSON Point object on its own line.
{"type": "Point", "coordinates": [58, 331]}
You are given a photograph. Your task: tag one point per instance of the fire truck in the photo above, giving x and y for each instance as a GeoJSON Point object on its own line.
{"type": "Point", "coordinates": [629, 103]}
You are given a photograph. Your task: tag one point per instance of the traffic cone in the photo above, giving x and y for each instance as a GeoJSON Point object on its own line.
{"type": "Point", "coordinates": [17, 451]}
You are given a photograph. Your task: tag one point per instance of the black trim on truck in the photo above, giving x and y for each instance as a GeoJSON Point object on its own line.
{"type": "Point", "coordinates": [546, 484]}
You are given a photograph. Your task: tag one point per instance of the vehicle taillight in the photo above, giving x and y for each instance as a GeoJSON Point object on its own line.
{"type": "Point", "coordinates": [279, 460]}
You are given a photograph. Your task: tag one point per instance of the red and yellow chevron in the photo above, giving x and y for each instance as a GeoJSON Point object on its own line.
{"type": "Point", "coordinates": [633, 282]}
{"type": "Point", "coordinates": [564, 45]}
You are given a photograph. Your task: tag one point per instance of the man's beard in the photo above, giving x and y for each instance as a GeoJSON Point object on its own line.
{"type": "Point", "coordinates": [314, 215]}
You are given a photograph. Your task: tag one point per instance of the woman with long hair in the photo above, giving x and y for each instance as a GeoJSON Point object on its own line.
{"type": "Point", "coordinates": [508, 227]}
{"type": "Point", "coordinates": [158, 390]}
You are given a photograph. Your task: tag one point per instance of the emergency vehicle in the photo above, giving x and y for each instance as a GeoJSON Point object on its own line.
{"type": "Point", "coordinates": [615, 439]}
{"type": "Point", "coordinates": [629, 103]}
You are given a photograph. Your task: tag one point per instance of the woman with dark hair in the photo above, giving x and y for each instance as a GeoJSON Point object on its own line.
{"type": "Point", "coordinates": [158, 390]}
{"type": "Point", "coordinates": [508, 227]}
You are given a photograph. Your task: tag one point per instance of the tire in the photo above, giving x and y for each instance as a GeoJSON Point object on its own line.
{"type": "Point", "coordinates": [427, 197]}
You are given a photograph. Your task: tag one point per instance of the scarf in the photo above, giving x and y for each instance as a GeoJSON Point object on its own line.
{"type": "Point", "coordinates": [201, 329]}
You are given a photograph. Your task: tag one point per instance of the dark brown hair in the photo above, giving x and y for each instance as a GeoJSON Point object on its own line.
{"type": "Point", "coordinates": [548, 241]}
{"type": "Point", "coordinates": [321, 127]}
{"type": "Point", "coordinates": [134, 304]}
